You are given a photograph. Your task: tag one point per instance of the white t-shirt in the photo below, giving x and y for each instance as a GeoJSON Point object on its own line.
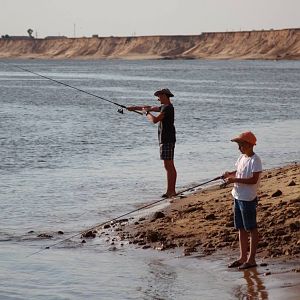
{"type": "Point", "coordinates": [245, 167]}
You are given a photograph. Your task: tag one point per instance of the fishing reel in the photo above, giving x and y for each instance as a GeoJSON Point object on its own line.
{"type": "Point", "coordinates": [121, 111]}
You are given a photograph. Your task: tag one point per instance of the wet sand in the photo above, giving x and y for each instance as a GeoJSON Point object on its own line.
{"type": "Point", "coordinates": [201, 225]}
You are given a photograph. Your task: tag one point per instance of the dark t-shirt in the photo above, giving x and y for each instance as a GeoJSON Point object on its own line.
{"type": "Point", "coordinates": [166, 129]}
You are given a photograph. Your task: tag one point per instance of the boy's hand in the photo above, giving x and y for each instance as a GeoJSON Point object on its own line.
{"type": "Point", "coordinates": [226, 174]}
{"type": "Point", "coordinates": [229, 174]}
{"type": "Point", "coordinates": [230, 180]}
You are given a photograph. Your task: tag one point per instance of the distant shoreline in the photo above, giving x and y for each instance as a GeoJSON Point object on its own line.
{"type": "Point", "coordinates": [282, 44]}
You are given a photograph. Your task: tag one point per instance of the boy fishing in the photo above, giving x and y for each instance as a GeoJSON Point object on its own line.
{"type": "Point", "coordinates": [246, 179]}
{"type": "Point", "coordinates": [166, 134]}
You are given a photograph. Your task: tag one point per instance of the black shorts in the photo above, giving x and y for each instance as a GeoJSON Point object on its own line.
{"type": "Point", "coordinates": [167, 151]}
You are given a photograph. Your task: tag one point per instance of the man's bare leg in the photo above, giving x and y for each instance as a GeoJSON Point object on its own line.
{"type": "Point", "coordinates": [171, 177]}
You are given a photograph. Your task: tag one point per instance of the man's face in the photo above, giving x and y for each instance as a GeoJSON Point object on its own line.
{"type": "Point", "coordinates": [162, 97]}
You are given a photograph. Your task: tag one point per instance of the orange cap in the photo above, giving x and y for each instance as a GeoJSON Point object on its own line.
{"type": "Point", "coordinates": [247, 136]}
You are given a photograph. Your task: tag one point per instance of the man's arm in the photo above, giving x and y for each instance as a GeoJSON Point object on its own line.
{"type": "Point", "coordinates": [155, 119]}
{"type": "Point", "coordinates": [154, 108]}
{"type": "Point", "coordinates": [131, 108]}
{"type": "Point", "coordinates": [146, 108]}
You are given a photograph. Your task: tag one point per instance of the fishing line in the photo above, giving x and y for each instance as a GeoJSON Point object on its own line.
{"type": "Point", "coordinates": [73, 87]}
{"type": "Point", "coordinates": [122, 216]}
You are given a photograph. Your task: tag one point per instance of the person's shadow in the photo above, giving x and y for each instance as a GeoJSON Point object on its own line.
{"type": "Point", "coordinates": [254, 285]}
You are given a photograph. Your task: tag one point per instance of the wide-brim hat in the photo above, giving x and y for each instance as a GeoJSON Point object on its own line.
{"type": "Point", "coordinates": [165, 92]}
{"type": "Point", "coordinates": [247, 136]}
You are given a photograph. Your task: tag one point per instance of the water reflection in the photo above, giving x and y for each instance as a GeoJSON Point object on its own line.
{"type": "Point", "coordinates": [160, 281]}
{"type": "Point", "coordinates": [254, 288]}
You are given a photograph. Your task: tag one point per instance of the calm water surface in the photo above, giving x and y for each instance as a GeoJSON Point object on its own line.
{"type": "Point", "coordinates": [68, 161]}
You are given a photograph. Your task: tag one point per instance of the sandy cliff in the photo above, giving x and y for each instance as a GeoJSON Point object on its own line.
{"type": "Point", "coordinates": [273, 44]}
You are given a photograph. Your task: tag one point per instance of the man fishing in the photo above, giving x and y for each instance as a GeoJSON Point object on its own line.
{"type": "Point", "coordinates": [166, 134]}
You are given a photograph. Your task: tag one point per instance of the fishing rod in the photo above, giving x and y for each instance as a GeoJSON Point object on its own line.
{"type": "Point", "coordinates": [123, 215]}
{"type": "Point", "coordinates": [120, 110]}
{"type": "Point", "coordinates": [203, 183]}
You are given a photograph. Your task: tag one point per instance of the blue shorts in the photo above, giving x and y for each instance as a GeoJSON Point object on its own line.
{"type": "Point", "coordinates": [245, 214]}
{"type": "Point", "coordinates": [167, 151]}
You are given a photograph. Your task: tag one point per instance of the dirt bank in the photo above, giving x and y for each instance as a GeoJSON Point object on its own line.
{"type": "Point", "coordinates": [269, 44]}
{"type": "Point", "coordinates": [203, 222]}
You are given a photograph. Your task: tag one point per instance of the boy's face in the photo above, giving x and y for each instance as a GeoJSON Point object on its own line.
{"type": "Point", "coordinates": [245, 147]}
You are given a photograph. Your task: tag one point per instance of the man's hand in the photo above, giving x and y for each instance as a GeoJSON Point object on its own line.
{"type": "Point", "coordinates": [145, 111]}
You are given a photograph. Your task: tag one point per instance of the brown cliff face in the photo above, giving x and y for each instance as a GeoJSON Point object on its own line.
{"type": "Point", "coordinates": [273, 44]}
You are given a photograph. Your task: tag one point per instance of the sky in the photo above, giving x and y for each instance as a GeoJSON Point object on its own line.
{"type": "Point", "coordinates": [140, 17]}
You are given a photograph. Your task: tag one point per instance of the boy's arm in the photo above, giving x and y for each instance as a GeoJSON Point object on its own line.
{"type": "Point", "coordinates": [250, 180]}
{"type": "Point", "coordinates": [229, 174]}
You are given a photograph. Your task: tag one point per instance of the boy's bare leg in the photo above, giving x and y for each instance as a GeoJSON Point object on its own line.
{"type": "Point", "coordinates": [253, 245]}
{"type": "Point", "coordinates": [243, 241]}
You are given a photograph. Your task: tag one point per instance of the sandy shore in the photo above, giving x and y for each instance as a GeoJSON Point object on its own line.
{"type": "Point", "coordinates": [203, 222]}
{"type": "Point", "coordinates": [201, 225]}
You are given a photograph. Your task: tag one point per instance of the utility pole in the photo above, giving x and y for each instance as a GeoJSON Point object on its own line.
{"type": "Point", "coordinates": [74, 30]}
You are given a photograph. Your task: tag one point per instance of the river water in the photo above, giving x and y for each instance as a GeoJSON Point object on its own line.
{"type": "Point", "coordinates": [69, 161]}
